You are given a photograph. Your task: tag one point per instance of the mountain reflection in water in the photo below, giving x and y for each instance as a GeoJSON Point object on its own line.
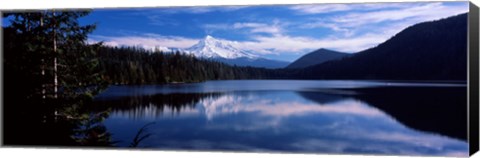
{"type": "Point", "coordinates": [275, 120]}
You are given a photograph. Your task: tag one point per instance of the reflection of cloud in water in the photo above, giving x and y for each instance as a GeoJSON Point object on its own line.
{"type": "Point", "coordinates": [357, 127]}
{"type": "Point", "coordinates": [229, 104]}
{"type": "Point", "coordinates": [265, 121]}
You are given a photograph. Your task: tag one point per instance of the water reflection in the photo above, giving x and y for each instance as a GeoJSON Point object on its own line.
{"type": "Point", "coordinates": [436, 109]}
{"type": "Point", "coordinates": [260, 85]}
{"type": "Point", "coordinates": [266, 105]}
{"type": "Point", "coordinates": [272, 121]}
{"type": "Point", "coordinates": [154, 106]}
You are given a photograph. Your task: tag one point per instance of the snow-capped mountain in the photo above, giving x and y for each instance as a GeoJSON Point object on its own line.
{"type": "Point", "coordinates": [229, 53]}
{"type": "Point", "coordinates": [210, 47]}
{"type": "Point", "coordinates": [225, 51]}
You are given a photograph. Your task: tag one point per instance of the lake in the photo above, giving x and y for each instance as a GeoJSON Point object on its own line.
{"type": "Point", "coordinates": [344, 117]}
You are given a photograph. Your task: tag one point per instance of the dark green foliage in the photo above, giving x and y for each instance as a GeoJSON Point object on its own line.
{"type": "Point", "coordinates": [141, 135]}
{"type": "Point", "coordinates": [41, 46]}
{"type": "Point", "coordinates": [131, 65]}
{"type": "Point", "coordinates": [35, 39]}
{"type": "Point", "coordinates": [90, 130]}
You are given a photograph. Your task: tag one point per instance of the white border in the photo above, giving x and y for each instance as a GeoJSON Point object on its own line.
{"type": "Point", "coordinates": [82, 153]}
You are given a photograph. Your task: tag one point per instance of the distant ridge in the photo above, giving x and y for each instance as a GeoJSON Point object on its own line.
{"type": "Point", "coordinates": [316, 57]}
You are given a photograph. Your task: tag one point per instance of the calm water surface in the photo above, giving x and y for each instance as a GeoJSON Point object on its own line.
{"type": "Point", "coordinates": [273, 115]}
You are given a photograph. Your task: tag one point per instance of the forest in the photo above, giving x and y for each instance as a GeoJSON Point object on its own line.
{"type": "Point", "coordinates": [133, 65]}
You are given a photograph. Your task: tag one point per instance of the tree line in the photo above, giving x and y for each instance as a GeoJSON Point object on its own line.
{"type": "Point", "coordinates": [134, 65]}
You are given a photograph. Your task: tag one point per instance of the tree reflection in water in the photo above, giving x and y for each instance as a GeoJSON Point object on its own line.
{"type": "Point", "coordinates": [142, 106]}
{"type": "Point", "coordinates": [56, 123]}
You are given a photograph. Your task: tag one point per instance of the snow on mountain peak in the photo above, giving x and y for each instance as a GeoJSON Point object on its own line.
{"type": "Point", "coordinates": [210, 47]}
{"type": "Point", "coordinates": [208, 37]}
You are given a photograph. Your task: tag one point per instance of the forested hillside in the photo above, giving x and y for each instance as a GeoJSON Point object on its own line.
{"type": "Point", "coordinates": [316, 57]}
{"type": "Point", "coordinates": [435, 50]}
{"type": "Point", "coordinates": [131, 65]}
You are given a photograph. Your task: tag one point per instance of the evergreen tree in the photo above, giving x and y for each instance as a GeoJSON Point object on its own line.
{"type": "Point", "coordinates": [51, 73]}
{"type": "Point", "coordinates": [54, 43]}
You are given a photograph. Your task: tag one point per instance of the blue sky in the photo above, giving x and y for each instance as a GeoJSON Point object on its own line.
{"type": "Point", "coordinates": [282, 32]}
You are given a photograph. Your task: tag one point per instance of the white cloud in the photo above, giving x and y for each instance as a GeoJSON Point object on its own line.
{"type": "Point", "coordinates": [252, 27]}
{"type": "Point", "coordinates": [375, 23]}
{"type": "Point", "coordinates": [147, 41]}
{"type": "Point", "coordinates": [415, 13]}
{"type": "Point", "coordinates": [330, 8]}
{"type": "Point", "coordinates": [217, 26]}
{"type": "Point", "coordinates": [248, 25]}
{"type": "Point", "coordinates": [259, 27]}
{"type": "Point", "coordinates": [285, 43]}
{"type": "Point", "coordinates": [365, 27]}
{"type": "Point", "coordinates": [352, 32]}
{"type": "Point", "coordinates": [277, 41]}
{"type": "Point", "coordinates": [274, 44]}
{"type": "Point", "coordinates": [323, 8]}
{"type": "Point", "coordinates": [347, 32]}
{"type": "Point", "coordinates": [198, 9]}
{"type": "Point", "coordinates": [423, 12]}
